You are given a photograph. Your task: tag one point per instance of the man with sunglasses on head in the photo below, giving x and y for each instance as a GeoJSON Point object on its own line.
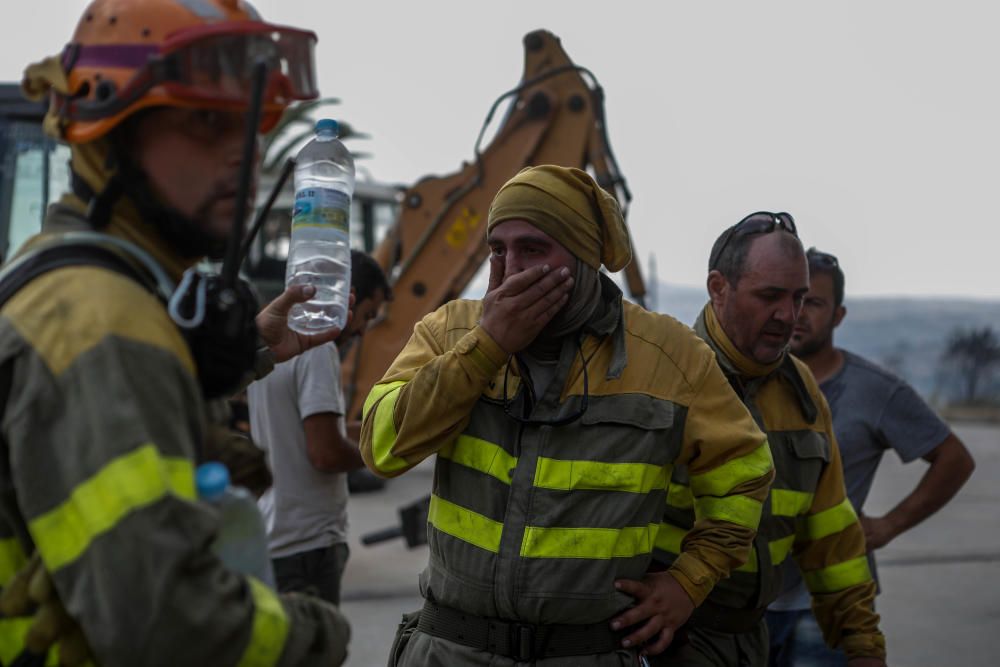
{"type": "Point", "coordinates": [873, 410]}
{"type": "Point", "coordinates": [557, 411]}
{"type": "Point", "coordinates": [757, 280]}
{"type": "Point", "coordinates": [109, 401]}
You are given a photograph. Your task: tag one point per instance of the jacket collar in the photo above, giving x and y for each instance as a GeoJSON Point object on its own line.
{"type": "Point", "coordinates": [744, 372]}
{"type": "Point", "coordinates": [70, 214]}
{"type": "Point", "coordinates": [609, 320]}
{"type": "Point", "coordinates": [733, 361]}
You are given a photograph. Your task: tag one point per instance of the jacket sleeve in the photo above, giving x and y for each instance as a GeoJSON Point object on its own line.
{"type": "Point", "coordinates": [424, 401]}
{"type": "Point", "coordinates": [830, 550]}
{"type": "Point", "coordinates": [103, 431]}
{"type": "Point", "coordinates": [730, 468]}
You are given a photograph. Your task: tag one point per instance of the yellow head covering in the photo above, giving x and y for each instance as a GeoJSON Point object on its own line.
{"type": "Point", "coordinates": [41, 79]}
{"type": "Point", "coordinates": [569, 206]}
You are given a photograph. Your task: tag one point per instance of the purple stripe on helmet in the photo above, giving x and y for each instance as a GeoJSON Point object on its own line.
{"type": "Point", "coordinates": [115, 55]}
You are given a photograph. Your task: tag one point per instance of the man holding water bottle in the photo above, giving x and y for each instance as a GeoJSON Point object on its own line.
{"type": "Point", "coordinates": [104, 398]}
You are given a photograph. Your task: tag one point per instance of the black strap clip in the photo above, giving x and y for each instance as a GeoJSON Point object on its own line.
{"type": "Point", "coordinates": [522, 642]}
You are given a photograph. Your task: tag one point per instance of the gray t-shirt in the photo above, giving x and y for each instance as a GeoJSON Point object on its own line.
{"type": "Point", "coordinates": [304, 509]}
{"type": "Point", "coordinates": [873, 410]}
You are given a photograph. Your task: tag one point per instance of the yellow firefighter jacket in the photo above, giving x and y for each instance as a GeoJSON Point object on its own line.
{"type": "Point", "coordinates": [807, 515]}
{"type": "Point", "coordinates": [535, 521]}
{"type": "Point", "coordinates": [100, 435]}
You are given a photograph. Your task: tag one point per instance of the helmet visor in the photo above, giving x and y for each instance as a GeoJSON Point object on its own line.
{"type": "Point", "coordinates": [211, 65]}
{"type": "Point", "coordinates": [219, 67]}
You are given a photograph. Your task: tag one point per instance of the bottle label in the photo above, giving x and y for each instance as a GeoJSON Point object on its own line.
{"type": "Point", "coordinates": [321, 207]}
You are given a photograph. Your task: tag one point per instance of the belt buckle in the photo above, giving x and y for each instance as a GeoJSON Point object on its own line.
{"type": "Point", "coordinates": [522, 642]}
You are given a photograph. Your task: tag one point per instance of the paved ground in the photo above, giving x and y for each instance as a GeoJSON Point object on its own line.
{"type": "Point", "coordinates": [380, 583]}
{"type": "Point", "coordinates": [941, 582]}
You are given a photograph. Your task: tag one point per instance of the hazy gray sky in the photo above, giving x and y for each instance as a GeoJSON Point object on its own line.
{"type": "Point", "coordinates": [876, 124]}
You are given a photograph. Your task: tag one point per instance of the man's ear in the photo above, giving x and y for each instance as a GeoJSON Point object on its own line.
{"type": "Point", "coordinates": [838, 315]}
{"type": "Point", "coordinates": [718, 287]}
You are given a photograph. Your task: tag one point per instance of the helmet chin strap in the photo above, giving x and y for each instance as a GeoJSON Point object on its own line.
{"type": "Point", "coordinates": [184, 235]}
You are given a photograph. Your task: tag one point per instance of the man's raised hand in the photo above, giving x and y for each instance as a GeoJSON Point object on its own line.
{"type": "Point", "coordinates": [516, 308]}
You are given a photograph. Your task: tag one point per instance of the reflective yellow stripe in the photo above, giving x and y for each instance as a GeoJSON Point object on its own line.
{"type": "Point", "coordinates": [751, 564]}
{"type": "Point", "coordinates": [12, 631]}
{"type": "Point", "coordinates": [12, 634]}
{"type": "Point", "coordinates": [465, 524]}
{"type": "Point", "coordinates": [482, 456]}
{"type": "Point", "coordinates": [780, 548]}
{"type": "Point", "coordinates": [679, 496]}
{"type": "Point", "coordinates": [493, 460]}
{"type": "Point", "coordinates": [785, 502]}
{"type": "Point", "coordinates": [128, 483]}
{"type": "Point", "coordinates": [384, 428]}
{"type": "Point", "coordinates": [592, 543]}
{"type": "Point", "coordinates": [270, 628]}
{"type": "Point", "coordinates": [741, 510]}
{"type": "Point", "coordinates": [729, 475]}
{"type": "Point", "coordinates": [669, 538]}
{"type": "Point", "coordinates": [838, 577]}
{"type": "Point", "coordinates": [599, 476]}
{"type": "Point", "coordinates": [830, 521]}
{"type": "Point", "coordinates": [12, 559]}
{"type": "Point", "coordinates": [377, 392]}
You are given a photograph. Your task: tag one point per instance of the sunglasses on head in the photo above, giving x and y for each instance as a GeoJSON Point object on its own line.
{"type": "Point", "coordinates": [822, 258]}
{"type": "Point", "coordinates": [761, 222]}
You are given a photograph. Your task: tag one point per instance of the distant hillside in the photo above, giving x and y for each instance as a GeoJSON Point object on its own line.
{"type": "Point", "coordinates": [906, 335]}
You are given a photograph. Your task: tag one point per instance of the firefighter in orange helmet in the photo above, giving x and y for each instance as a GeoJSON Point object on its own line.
{"type": "Point", "coordinates": [105, 400]}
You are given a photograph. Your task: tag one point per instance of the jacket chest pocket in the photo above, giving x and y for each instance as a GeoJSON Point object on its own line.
{"type": "Point", "coordinates": [800, 458]}
{"type": "Point", "coordinates": [624, 428]}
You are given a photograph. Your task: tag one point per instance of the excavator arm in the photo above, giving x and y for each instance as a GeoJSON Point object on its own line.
{"type": "Point", "coordinates": [555, 116]}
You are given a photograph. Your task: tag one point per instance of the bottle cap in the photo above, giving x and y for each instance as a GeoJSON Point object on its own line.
{"type": "Point", "coordinates": [327, 126]}
{"type": "Point", "coordinates": [211, 479]}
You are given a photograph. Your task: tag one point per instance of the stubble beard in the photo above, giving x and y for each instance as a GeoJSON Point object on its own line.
{"type": "Point", "coordinates": [815, 343]}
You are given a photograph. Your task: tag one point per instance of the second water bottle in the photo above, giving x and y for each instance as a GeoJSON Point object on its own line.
{"type": "Point", "coordinates": [242, 540]}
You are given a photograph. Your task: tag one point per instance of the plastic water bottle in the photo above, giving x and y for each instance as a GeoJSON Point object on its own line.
{"type": "Point", "coordinates": [242, 541]}
{"type": "Point", "coordinates": [320, 252]}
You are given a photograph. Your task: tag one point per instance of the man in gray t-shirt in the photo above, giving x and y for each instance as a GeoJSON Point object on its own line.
{"type": "Point", "coordinates": [873, 411]}
{"type": "Point", "coordinates": [297, 417]}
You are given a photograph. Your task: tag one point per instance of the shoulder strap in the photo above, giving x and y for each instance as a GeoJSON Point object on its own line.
{"type": "Point", "coordinates": [86, 249]}
{"type": "Point", "coordinates": [51, 258]}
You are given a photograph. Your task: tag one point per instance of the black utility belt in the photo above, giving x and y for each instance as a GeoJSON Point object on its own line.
{"type": "Point", "coordinates": [717, 617]}
{"type": "Point", "coordinates": [523, 642]}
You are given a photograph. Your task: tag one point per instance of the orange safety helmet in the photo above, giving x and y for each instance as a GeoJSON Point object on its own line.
{"type": "Point", "coordinates": [128, 55]}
